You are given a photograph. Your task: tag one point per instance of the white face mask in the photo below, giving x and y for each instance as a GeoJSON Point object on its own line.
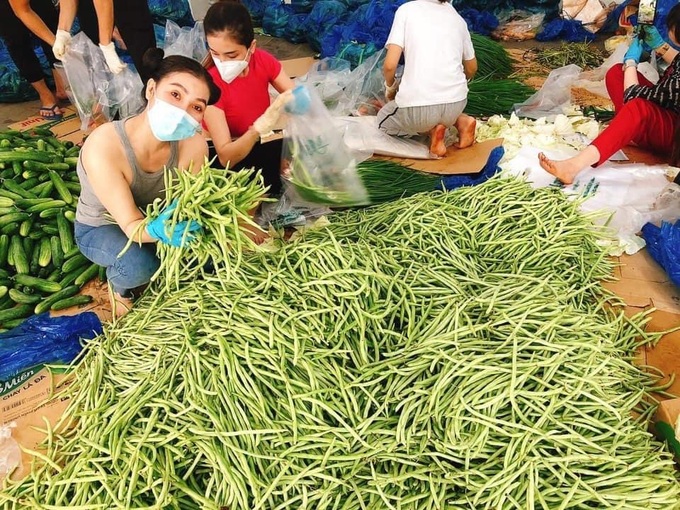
{"type": "Point", "coordinates": [230, 69]}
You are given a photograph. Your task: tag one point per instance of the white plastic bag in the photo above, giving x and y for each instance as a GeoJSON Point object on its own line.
{"type": "Point", "coordinates": [329, 77]}
{"type": "Point", "coordinates": [362, 134]}
{"type": "Point", "coordinates": [97, 93]}
{"type": "Point", "coordinates": [553, 98]}
{"type": "Point", "coordinates": [10, 452]}
{"type": "Point", "coordinates": [188, 42]}
{"type": "Point", "coordinates": [629, 193]}
{"type": "Point", "coordinates": [317, 162]}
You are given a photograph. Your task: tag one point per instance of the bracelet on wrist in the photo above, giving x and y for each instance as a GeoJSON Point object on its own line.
{"type": "Point", "coordinates": [630, 63]}
{"type": "Point", "coordinates": [661, 50]}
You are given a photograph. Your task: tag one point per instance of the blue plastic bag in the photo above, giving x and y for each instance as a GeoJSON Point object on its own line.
{"type": "Point", "coordinates": [570, 30]}
{"type": "Point", "coordinates": [325, 15]}
{"type": "Point", "coordinates": [42, 339]}
{"type": "Point", "coordinates": [480, 22]}
{"type": "Point", "coordinates": [13, 87]}
{"type": "Point", "coordinates": [175, 10]}
{"type": "Point", "coordinates": [490, 169]}
{"type": "Point", "coordinates": [663, 244]}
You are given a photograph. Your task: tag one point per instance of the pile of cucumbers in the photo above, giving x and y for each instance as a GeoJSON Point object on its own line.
{"type": "Point", "coordinates": [41, 268]}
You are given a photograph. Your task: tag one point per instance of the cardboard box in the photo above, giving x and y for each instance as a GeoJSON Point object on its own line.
{"type": "Point", "coordinates": [457, 161]}
{"type": "Point", "coordinates": [666, 423]}
{"type": "Point", "coordinates": [296, 67]}
{"type": "Point", "coordinates": [27, 401]}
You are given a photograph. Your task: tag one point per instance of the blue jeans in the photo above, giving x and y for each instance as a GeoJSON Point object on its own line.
{"type": "Point", "coordinates": [102, 245]}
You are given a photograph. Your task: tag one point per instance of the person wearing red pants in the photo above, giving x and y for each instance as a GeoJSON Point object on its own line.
{"type": "Point", "coordinates": [646, 114]}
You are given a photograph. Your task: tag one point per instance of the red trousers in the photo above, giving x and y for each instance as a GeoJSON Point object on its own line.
{"type": "Point", "coordinates": [640, 121]}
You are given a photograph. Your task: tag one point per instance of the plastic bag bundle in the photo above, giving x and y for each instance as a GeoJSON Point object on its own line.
{"type": "Point", "coordinates": [186, 41]}
{"type": "Point", "coordinates": [356, 53]}
{"type": "Point", "coordinates": [317, 162]}
{"type": "Point", "coordinates": [174, 10]}
{"type": "Point", "coordinates": [276, 17]}
{"type": "Point", "coordinates": [42, 339]}
{"type": "Point", "coordinates": [480, 22]}
{"type": "Point", "coordinates": [93, 89]}
{"type": "Point", "coordinates": [325, 15]}
{"type": "Point", "coordinates": [256, 9]}
{"type": "Point", "coordinates": [13, 87]}
{"type": "Point", "coordinates": [570, 30]}
{"type": "Point", "coordinates": [663, 244]}
{"type": "Point", "coordinates": [295, 31]}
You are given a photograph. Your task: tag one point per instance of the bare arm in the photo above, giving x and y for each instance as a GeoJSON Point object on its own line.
{"type": "Point", "coordinates": [470, 68]}
{"type": "Point", "coordinates": [109, 184]}
{"type": "Point", "coordinates": [193, 153]}
{"type": "Point", "coordinates": [391, 62]}
{"type": "Point", "coordinates": [22, 10]}
{"type": "Point", "coordinates": [227, 150]}
{"type": "Point", "coordinates": [283, 82]}
{"type": "Point", "coordinates": [104, 9]}
{"type": "Point", "coordinates": [67, 14]}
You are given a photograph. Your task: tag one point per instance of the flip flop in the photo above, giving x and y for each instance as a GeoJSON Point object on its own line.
{"type": "Point", "coordinates": [50, 112]}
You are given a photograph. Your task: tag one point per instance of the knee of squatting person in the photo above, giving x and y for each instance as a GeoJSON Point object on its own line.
{"type": "Point", "coordinates": [439, 60]}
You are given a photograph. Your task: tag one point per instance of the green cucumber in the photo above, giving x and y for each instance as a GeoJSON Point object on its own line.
{"type": "Point", "coordinates": [80, 300]}
{"type": "Point", "coordinates": [50, 204]}
{"type": "Point", "coordinates": [57, 253]}
{"type": "Point", "coordinates": [19, 256]}
{"type": "Point", "coordinates": [61, 188]}
{"type": "Point", "coordinates": [87, 275]}
{"type": "Point", "coordinates": [46, 303]}
{"type": "Point", "coordinates": [16, 312]}
{"type": "Point", "coordinates": [45, 252]}
{"type": "Point", "coordinates": [39, 284]}
{"type": "Point", "coordinates": [65, 233]}
{"type": "Point", "coordinates": [73, 263]}
{"type": "Point", "coordinates": [24, 299]}
{"type": "Point", "coordinates": [4, 248]}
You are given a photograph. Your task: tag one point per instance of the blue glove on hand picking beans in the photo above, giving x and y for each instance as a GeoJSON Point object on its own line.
{"type": "Point", "coordinates": [160, 228]}
{"type": "Point", "coordinates": [652, 37]}
{"type": "Point", "coordinates": [635, 51]}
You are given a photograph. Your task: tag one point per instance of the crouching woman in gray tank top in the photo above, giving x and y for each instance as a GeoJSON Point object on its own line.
{"type": "Point", "coordinates": [121, 170]}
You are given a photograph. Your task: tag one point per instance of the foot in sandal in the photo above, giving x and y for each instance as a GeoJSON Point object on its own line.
{"type": "Point", "coordinates": [51, 112]}
{"type": "Point", "coordinates": [466, 127]}
{"type": "Point", "coordinates": [437, 145]}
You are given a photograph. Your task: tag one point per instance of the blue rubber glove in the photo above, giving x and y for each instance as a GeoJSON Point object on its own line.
{"type": "Point", "coordinates": [159, 228]}
{"type": "Point", "coordinates": [635, 51]}
{"type": "Point", "coordinates": [652, 37]}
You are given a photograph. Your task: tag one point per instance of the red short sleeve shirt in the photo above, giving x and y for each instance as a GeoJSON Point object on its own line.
{"type": "Point", "coordinates": [247, 97]}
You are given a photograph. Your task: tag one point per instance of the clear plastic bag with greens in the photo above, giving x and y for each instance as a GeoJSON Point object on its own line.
{"type": "Point", "coordinates": [317, 162]}
{"type": "Point", "coordinates": [97, 93]}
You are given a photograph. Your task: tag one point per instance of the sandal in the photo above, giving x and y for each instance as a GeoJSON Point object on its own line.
{"type": "Point", "coordinates": [51, 112]}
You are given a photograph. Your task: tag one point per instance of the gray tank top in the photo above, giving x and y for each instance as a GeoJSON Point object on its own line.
{"type": "Point", "coordinates": [145, 186]}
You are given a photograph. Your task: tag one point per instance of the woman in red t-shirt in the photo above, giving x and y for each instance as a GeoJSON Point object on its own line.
{"type": "Point", "coordinates": [243, 74]}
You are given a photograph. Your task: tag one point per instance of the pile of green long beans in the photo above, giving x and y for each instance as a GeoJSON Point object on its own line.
{"type": "Point", "coordinates": [444, 351]}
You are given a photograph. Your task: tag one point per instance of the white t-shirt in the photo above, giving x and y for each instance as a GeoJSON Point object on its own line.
{"type": "Point", "coordinates": [435, 40]}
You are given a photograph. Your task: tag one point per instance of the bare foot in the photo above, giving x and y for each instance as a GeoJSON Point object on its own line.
{"type": "Point", "coordinates": [437, 146]}
{"type": "Point", "coordinates": [564, 170]}
{"type": "Point", "coordinates": [466, 127]}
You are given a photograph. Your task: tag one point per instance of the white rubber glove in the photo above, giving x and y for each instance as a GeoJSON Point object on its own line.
{"type": "Point", "coordinates": [61, 43]}
{"type": "Point", "coordinates": [112, 59]}
{"type": "Point", "coordinates": [391, 91]}
{"type": "Point", "coordinates": [268, 120]}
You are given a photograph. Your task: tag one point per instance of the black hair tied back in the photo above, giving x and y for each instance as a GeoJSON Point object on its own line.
{"type": "Point", "coordinates": [152, 60]}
